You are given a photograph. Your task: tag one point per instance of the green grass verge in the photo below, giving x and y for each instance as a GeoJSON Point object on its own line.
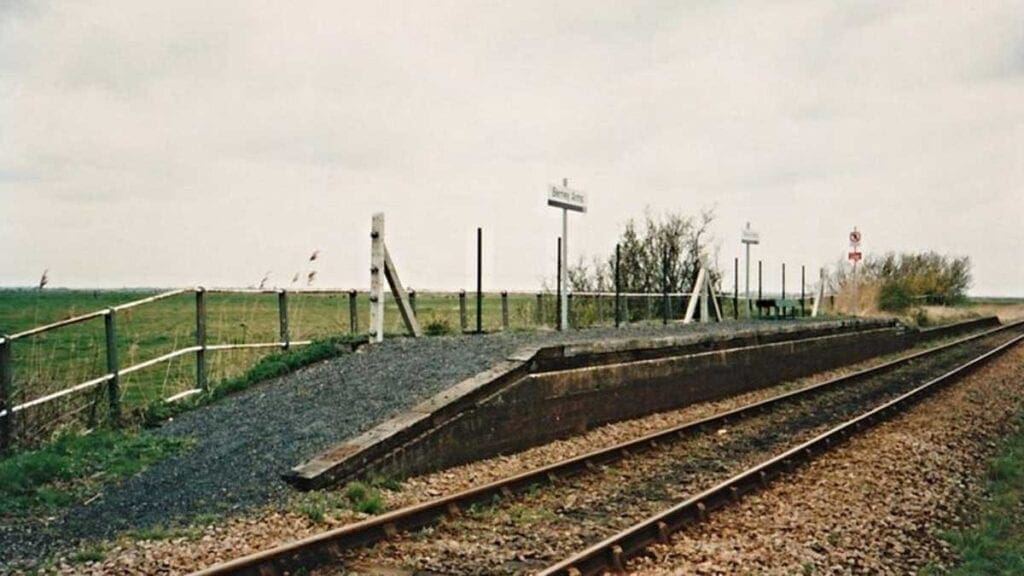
{"type": "Point", "coordinates": [995, 545]}
{"type": "Point", "coordinates": [271, 366]}
{"type": "Point", "coordinates": [75, 467]}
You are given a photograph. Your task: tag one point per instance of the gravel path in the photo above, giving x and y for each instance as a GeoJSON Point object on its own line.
{"type": "Point", "coordinates": [245, 442]}
{"type": "Point", "coordinates": [872, 506]}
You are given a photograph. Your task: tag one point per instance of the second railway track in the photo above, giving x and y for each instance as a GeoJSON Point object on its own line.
{"type": "Point", "coordinates": [569, 506]}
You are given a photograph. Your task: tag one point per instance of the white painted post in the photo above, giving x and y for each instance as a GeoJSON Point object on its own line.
{"type": "Point", "coordinates": [376, 278]}
{"type": "Point", "coordinates": [704, 312]}
{"type": "Point", "coordinates": [748, 237]}
{"type": "Point", "coordinates": [713, 296]}
{"type": "Point", "coordinates": [819, 295]}
{"type": "Point", "coordinates": [691, 306]}
{"type": "Point", "coordinates": [566, 199]}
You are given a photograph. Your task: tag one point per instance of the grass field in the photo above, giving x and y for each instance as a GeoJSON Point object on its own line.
{"type": "Point", "coordinates": [60, 358]}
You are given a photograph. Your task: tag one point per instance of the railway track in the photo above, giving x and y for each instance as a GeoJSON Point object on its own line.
{"type": "Point", "coordinates": [703, 464]}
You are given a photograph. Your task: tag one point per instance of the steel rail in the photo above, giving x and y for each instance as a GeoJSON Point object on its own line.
{"type": "Point", "coordinates": [612, 553]}
{"type": "Point", "coordinates": [321, 548]}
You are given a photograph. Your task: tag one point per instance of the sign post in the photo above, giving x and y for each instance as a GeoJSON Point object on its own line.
{"type": "Point", "coordinates": [855, 256]}
{"type": "Point", "coordinates": [567, 199]}
{"type": "Point", "coordinates": [748, 237]}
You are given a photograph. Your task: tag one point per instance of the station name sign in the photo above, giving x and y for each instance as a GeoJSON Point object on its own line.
{"type": "Point", "coordinates": [749, 236]}
{"type": "Point", "coordinates": [562, 197]}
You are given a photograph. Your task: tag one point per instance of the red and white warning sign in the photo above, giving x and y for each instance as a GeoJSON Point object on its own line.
{"type": "Point", "coordinates": [855, 256]}
{"type": "Point", "coordinates": [855, 237]}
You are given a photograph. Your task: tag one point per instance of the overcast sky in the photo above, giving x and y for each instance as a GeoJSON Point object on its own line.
{"type": "Point", "coordinates": [182, 143]}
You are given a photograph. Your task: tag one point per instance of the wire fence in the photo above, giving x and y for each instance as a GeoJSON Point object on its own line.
{"type": "Point", "coordinates": [109, 365]}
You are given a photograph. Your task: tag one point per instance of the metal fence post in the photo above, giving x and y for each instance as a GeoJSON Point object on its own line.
{"type": "Point", "coordinates": [6, 394]}
{"type": "Point", "coordinates": [759, 293]}
{"type": "Point", "coordinates": [114, 384]}
{"type": "Point", "coordinates": [783, 280]}
{"type": "Point", "coordinates": [618, 287]}
{"type": "Point", "coordinates": [201, 338]}
{"type": "Point", "coordinates": [353, 317]}
{"type": "Point", "coordinates": [736, 289]}
{"type": "Point", "coordinates": [559, 288]}
{"type": "Point", "coordinates": [803, 288]}
{"type": "Point", "coordinates": [504, 309]}
{"type": "Point", "coordinates": [540, 308]}
{"type": "Point", "coordinates": [282, 315]}
{"type": "Point", "coordinates": [462, 310]}
{"type": "Point", "coordinates": [479, 280]}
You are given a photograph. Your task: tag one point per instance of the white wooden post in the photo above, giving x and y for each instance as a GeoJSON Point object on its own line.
{"type": "Point", "coordinates": [705, 317]}
{"type": "Point", "coordinates": [713, 296]}
{"type": "Point", "coordinates": [819, 295]}
{"type": "Point", "coordinates": [691, 306]}
{"type": "Point", "coordinates": [377, 257]}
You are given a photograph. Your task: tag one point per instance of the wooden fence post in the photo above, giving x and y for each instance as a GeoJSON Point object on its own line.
{"type": "Point", "coordinates": [504, 309]}
{"type": "Point", "coordinates": [377, 278]}
{"type": "Point", "coordinates": [353, 316]}
{"type": "Point", "coordinates": [540, 309]}
{"type": "Point", "coordinates": [6, 395]}
{"type": "Point", "coordinates": [282, 315]}
{"type": "Point", "coordinates": [114, 384]}
{"type": "Point", "coordinates": [412, 299]}
{"type": "Point", "coordinates": [462, 310]}
{"type": "Point", "coordinates": [570, 320]}
{"type": "Point", "coordinates": [201, 338]}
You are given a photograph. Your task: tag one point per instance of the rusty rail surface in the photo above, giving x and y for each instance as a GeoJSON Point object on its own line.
{"type": "Point", "coordinates": [611, 554]}
{"type": "Point", "coordinates": [324, 547]}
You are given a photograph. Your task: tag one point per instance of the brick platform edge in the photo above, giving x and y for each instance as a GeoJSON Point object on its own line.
{"type": "Point", "coordinates": [541, 394]}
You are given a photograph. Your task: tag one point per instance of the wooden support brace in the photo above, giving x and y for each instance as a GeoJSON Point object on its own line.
{"type": "Point", "coordinates": [691, 306]}
{"type": "Point", "coordinates": [713, 296]}
{"type": "Point", "coordinates": [401, 296]}
{"type": "Point", "coordinates": [819, 295]}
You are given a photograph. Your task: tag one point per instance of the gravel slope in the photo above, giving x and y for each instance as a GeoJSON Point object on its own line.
{"type": "Point", "coordinates": [245, 442]}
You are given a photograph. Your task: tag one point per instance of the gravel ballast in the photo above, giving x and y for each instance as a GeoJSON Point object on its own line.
{"type": "Point", "coordinates": [876, 505]}
{"type": "Point", "coordinates": [244, 443]}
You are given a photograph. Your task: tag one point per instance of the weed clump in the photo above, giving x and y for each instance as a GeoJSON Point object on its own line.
{"type": "Point", "coordinates": [437, 326]}
{"type": "Point", "coordinates": [319, 504]}
{"type": "Point", "coordinates": [364, 498]}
